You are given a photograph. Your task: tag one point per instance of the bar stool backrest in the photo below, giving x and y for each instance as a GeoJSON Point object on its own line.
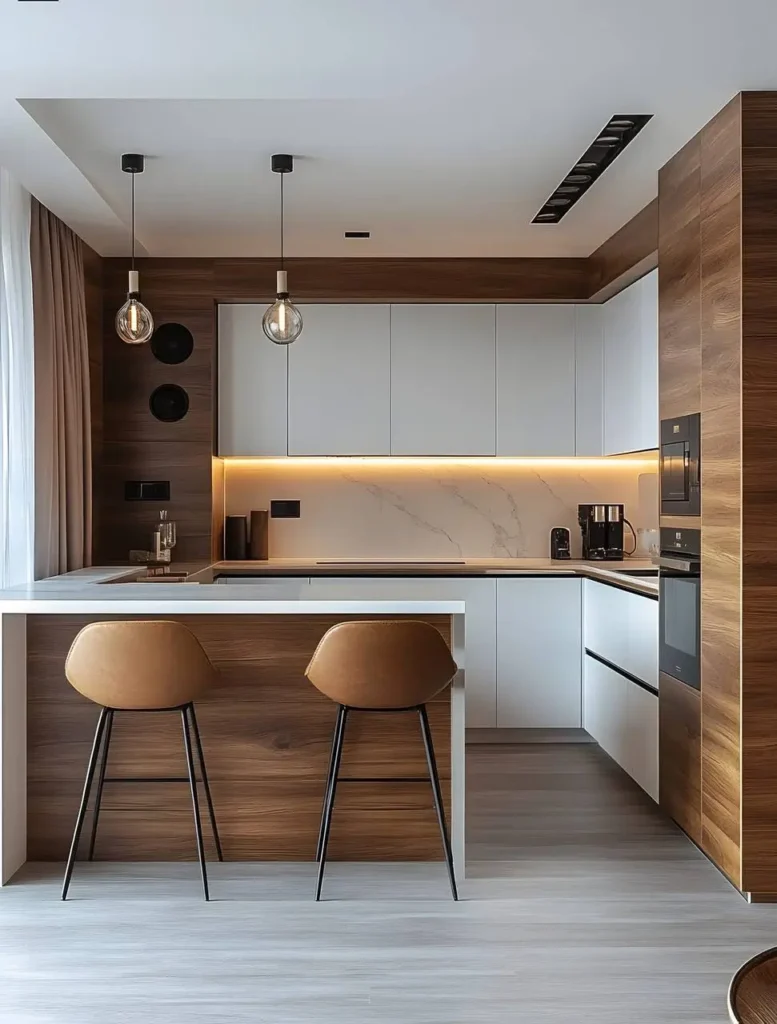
{"type": "Point", "coordinates": [391, 664]}
{"type": "Point", "coordinates": [141, 666]}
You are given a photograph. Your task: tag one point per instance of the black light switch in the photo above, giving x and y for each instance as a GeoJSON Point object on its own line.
{"type": "Point", "coordinates": [284, 509]}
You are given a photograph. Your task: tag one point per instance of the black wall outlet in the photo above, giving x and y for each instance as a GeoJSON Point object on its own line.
{"type": "Point", "coordinates": [284, 509]}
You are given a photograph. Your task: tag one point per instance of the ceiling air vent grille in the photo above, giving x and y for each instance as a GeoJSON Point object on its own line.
{"type": "Point", "coordinates": [608, 144]}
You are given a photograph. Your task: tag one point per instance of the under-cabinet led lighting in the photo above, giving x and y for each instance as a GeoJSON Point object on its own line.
{"type": "Point", "coordinates": [647, 458]}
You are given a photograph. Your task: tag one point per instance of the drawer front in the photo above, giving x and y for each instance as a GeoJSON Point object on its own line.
{"type": "Point", "coordinates": [623, 719]}
{"type": "Point", "coordinates": [622, 627]}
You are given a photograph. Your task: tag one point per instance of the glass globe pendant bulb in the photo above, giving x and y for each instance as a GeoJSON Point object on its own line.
{"type": "Point", "coordinates": [134, 323]}
{"type": "Point", "coordinates": [282, 322]}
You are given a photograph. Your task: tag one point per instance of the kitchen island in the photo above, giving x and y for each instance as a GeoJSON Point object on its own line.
{"type": "Point", "coordinates": [266, 731]}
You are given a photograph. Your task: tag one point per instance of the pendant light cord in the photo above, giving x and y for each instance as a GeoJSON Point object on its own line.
{"type": "Point", "coordinates": [281, 176]}
{"type": "Point", "coordinates": [133, 219]}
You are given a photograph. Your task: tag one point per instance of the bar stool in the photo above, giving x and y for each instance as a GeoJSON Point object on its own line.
{"type": "Point", "coordinates": [381, 667]}
{"type": "Point", "coordinates": [140, 667]}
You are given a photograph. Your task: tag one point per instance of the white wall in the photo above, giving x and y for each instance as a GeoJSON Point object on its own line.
{"type": "Point", "coordinates": [352, 508]}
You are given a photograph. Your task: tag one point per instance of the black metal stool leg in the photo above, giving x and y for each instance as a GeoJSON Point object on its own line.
{"type": "Point", "coordinates": [329, 775]}
{"type": "Point", "coordinates": [206, 784]}
{"type": "Point", "coordinates": [98, 733]}
{"type": "Point", "coordinates": [342, 717]}
{"type": "Point", "coordinates": [101, 781]}
{"type": "Point", "coordinates": [187, 742]}
{"type": "Point", "coordinates": [436, 790]}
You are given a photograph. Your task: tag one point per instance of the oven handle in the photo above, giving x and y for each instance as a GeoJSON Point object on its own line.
{"type": "Point", "coordinates": [688, 565]}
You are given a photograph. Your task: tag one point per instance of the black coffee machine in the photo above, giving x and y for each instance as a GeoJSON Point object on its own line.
{"type": "Point", "coordinates": [602, 529]}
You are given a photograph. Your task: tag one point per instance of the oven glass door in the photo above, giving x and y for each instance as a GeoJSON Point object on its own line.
{"type": "Point", "coordinates": [675, 464]}
{"type": "Point", "coordinates": [680, 625]}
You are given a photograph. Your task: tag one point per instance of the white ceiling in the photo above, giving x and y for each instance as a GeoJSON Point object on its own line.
{"type": "Point", "coordinates": [439, 125]}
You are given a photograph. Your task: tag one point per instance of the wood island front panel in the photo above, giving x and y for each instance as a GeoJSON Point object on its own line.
{"type": "Point", "coordinates": [266, 734]}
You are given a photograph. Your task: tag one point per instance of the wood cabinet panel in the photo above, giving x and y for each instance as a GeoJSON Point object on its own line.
{"type": "Point", "coordinates": [679, 282]}
{"type": "Point", "coordinates": [721, 457]}
{"type": "Point", "coordinates": [680, 775]}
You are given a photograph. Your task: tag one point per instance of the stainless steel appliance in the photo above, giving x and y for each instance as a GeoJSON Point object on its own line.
{"type": "Point", "coordinates": [680, 468]}
{"type": "Point", "coordinates": [602, 530]}
{"type": "Point", "coordinates": [679, 605]}
{"type": "Point", "coordinates": [559, 543]}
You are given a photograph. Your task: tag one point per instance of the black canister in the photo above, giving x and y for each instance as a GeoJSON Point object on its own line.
{"type": "Point", "coordinates": [236, 538]}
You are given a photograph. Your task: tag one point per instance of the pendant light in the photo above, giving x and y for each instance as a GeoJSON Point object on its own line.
{"type": "Point", "coordinates": [134, 323]}
{"type": "Point", "coordinates": [282, 322]}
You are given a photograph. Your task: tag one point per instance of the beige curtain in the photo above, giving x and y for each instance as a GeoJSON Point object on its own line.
{"type": "Point", "coordinates": [63, 449]}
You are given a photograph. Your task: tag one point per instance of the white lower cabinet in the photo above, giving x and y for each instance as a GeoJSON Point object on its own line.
{"type": "Point", "coordinates": [538, 653]}
{"type": "Point", "coordinates": [479, 624]}
{"type": "Point", "coordinates": [622, 627]}
{"type": "Point", "coordinates": [623, 719]}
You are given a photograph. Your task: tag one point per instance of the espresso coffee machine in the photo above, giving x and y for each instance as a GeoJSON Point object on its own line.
{"type": "Point", "coordinates": [602, 529]}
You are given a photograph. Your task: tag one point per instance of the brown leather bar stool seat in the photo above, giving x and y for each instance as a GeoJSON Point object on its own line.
{"type": "Point", "coordinates": [381, 666]}
{"type": "Point", "coordinates": [752, 995]}
{"type": "Point", "coordinates": [140, 667]}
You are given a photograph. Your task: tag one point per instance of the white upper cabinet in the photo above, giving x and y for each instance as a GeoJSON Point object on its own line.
{"type": "Point", "coordinates": [442, 380]}
{"type": "Point", "coordinates": [340, 381]}
{"type": "Point", "coordinates": [252, 374]}
{"type": "Point", "coordinates": [589, 380]}
{"type": "Point", "coordinates": [535, 380]}
{"type": "Point", "coordinates": [631, 368]}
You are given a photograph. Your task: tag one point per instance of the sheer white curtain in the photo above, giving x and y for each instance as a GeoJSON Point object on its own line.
{"type": "Point", "coordinates": [17, 387]}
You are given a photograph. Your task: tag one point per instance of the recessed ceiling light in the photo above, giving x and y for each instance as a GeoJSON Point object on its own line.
{"type": "Point", "coordinates": [612, 140]}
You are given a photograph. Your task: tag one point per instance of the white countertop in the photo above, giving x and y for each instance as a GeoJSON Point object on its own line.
{"type": "Point", "coordinates": [82, 592]}
{"type": "Point", "coordinates": [79, 593]}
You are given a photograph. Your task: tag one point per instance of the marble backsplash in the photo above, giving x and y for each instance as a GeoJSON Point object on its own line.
{"type": "Point", "coordinates": [436, 509]}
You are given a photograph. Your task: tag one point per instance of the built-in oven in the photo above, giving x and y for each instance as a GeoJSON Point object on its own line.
{"type": "Point", "coordinates": [679, 605]}
{"type": "Point", "coordinates": [680, 468]}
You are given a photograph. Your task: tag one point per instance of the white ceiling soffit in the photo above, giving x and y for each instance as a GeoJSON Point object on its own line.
{"type": "Point", "coordinates": [439, 125]}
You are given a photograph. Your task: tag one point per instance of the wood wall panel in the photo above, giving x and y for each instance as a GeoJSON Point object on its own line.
{"type": "Point", "coordinates": [721, 468]}
{"type": "Point", "coordinates": [759, 491]}
{"type": "Point", "coordinates": [679, 758]}
{"type": "Point", "coordinates": [628, 254]}
{"type": "Point", "coordinates": [266, 734]}
{"type": "Point", "coordinates": [679, 283]}
{"type": "Point", "coordinates": [406, 280]}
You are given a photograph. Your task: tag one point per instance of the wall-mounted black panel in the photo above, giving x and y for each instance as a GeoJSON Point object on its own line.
{"type": "Point", "coordinates": [146, 490]}
{"type": "Point", "coordinates": [172, 343]}
{"type": "Point", "coordinates": [169, 403]}
{"type": "Point", "coordinates": [284, 509]}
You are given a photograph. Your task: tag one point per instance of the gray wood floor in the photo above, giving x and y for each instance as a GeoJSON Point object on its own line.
{"type": "Point", "coordinates": [583, 905]}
